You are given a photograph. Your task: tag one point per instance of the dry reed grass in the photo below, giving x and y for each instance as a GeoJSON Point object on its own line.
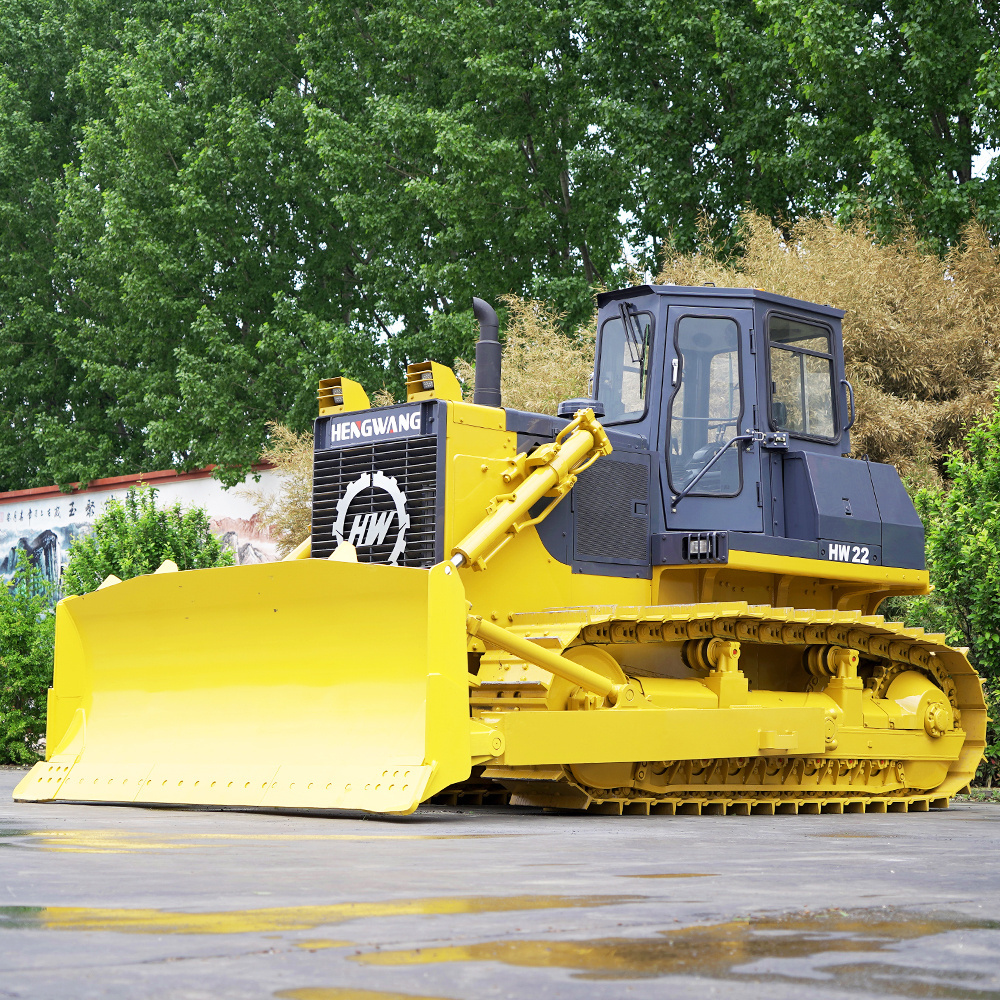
{"type": "Point", "coordinates": [382, 397]}
{"type": "Point", "coordinates": [920, 333]}
{"type": "Point", "coordinates": [288, 511]}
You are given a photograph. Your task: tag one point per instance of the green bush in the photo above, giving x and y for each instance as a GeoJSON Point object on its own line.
{"type": "Point", "coordinates": [963, 555]}
{"type": "Point", "coordinates": [27, 627]}
{"type": "Point", "coordinates": [133, 537]}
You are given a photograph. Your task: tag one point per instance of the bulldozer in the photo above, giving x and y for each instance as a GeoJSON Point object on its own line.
{"type": "Point", "coordinates": [660, 600]}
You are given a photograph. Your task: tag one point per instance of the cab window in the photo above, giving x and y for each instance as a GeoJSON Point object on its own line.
{"type": "Point", "coordinates": [800, 356]}
{"type": "Point", "coordinates": [706, 406]}
{"type": "Point", "coordinates": [623, 367]}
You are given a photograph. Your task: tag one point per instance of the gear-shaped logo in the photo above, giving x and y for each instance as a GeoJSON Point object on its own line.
{"type": "Point", "coordinates": [371, 528]}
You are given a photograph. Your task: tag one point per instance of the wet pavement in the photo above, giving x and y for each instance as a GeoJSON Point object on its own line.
{"type": "Point", "coordinates": [455, 903]}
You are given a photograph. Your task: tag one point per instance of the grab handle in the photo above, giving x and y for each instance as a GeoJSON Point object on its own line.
{"type": "Point", "coordinates": [850, 398]}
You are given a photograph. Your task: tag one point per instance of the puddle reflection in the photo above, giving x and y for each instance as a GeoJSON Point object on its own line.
{"type": "Point", "coordinates": [128, 842]}
{"type": "Point", "coordinates": [280, 918]}
{"type": "Point", "coordinates": [720, 951]}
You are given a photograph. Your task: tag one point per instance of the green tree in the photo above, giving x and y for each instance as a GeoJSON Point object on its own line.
{"type": "Point", "coordinates": [202, 269]}
{"type": "Point", "coordinates": [694, 99]}
{"type": "Point", "coordinates": [459, 141]}
{"type": "Point", "coordinates": [133, 537]}
{"type": "Point", "coordinates": [207, 206]}
{"type": "Point", "coordinates": [40, 120]}
{"type": "Point", "coordinates": [45, 107]}
{"type": "Point", "coordinates": [26, 654]}
{"type": "Point", "coordinates": [895, 102]}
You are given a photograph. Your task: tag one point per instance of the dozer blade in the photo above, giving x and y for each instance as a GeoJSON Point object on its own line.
{"type": "Point", "coordinates": [301, 684]}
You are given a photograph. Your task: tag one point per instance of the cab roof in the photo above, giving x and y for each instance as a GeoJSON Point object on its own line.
{"type": "Point", "coordinates": [716, 292]}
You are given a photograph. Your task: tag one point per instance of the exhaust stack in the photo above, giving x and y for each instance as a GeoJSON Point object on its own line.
{"type": "Point", "coordinates": [487, 355]}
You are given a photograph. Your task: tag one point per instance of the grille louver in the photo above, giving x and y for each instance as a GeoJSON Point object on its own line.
{"type": "Point", "coordinates": [412, 462]}
{"type": "Point", "coordinates": [612, 512]}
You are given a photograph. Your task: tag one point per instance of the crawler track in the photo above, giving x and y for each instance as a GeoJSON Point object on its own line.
{"type": "Point", "coordinates": [774, 641]}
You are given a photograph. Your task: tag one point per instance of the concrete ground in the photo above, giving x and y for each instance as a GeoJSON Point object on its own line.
{"type": "Point", "coordinates": [99, 901]}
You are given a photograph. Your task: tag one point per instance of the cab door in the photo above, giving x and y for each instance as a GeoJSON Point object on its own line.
{"type": "Point", "coordinates": [711, 482]}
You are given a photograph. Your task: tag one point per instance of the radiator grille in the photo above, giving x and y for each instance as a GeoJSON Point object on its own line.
{"type": "Point", "coordinates": [611, 501]}
{"type": "Point", "coordinates": [412, 462]}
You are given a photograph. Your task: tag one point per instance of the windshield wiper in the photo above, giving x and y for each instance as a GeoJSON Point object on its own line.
{"type": "Point", "coordinates": [633, 333]}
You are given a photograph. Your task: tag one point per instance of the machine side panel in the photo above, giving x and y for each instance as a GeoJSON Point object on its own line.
{"type": "Point", "coordinates": [603, 527]}
{"type": "Point", "coordinates": [902, 529]}
{"type": "Point", "coordinates": [830, 498]}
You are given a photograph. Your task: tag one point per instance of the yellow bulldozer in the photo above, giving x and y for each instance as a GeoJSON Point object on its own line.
{"type": "Point", "coordinates": [661, 600]}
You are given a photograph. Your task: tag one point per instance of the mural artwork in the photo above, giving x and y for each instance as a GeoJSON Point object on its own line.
{"type": "Point", "coordinates": [44, 522]}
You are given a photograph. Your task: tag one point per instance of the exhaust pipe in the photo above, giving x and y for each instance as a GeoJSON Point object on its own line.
{"type": "Point", "coordinates": [487, 355]}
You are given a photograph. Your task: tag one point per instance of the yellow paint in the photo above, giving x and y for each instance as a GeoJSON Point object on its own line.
{"type": "Point", "coordinates": [429, 380]}
{"type": "Point", "coordinates": [508, 589]}
{"type": "Point", "coordinates": [301, 551]}
{"type": "Point", "coordinates": [549, 472]}
{"type": "Point", "coordinates": [473, 442]}
{"type": "Point", "coordinates": [224, 686]}
{"type": "Point", "coordinates": [648, 733]}
{"type": "Point", "coordinates": [282, 918]}
{"type": "Point", "coordinates": [785, 581]}
{"type": "Point", "coordinates": [475, 415]}
{"type": "Point", "coordinates": [823, 569]}
{"type": "Point", "coordinates": [123, 842]}
{"type": "Point", "coordinates": [105, 842]}
{"type": "Point", "coordinates": [350, 393]}
{"type": "Point", "coordinates": [675, 875]}
{"type": "Point", "coordinates": [477, 437]}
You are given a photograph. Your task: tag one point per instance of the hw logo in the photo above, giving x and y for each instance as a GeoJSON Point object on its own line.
{"type": "Point", "coordinates": [365, 529]}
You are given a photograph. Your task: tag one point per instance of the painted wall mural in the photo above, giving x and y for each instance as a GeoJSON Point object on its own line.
{"type": "Point", "coordinates": [44, 522]}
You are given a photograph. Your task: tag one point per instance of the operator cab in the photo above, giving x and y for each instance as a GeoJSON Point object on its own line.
{"type": "Point", "coordinates": [741, 399]}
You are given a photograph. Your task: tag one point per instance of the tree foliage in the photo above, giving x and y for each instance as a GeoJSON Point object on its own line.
{"type": "Point", "coordinates": [27, 629]}
{"type": "Point", "coordinates": [203, 266]}
{"type": "Point", "coordinates": [207, 206]}
{"type": "Point", "coordinates": [897, 98]}
{"type": "Point", "coordinates": [133, 537]}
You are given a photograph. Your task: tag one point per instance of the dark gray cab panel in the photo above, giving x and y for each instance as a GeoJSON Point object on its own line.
{"type": "Point", "coordinates": [604, 526]}
{"type": "Point", "coordinates": [830, 497]}
{"type": "Point", "coordinates": [902, 529]}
